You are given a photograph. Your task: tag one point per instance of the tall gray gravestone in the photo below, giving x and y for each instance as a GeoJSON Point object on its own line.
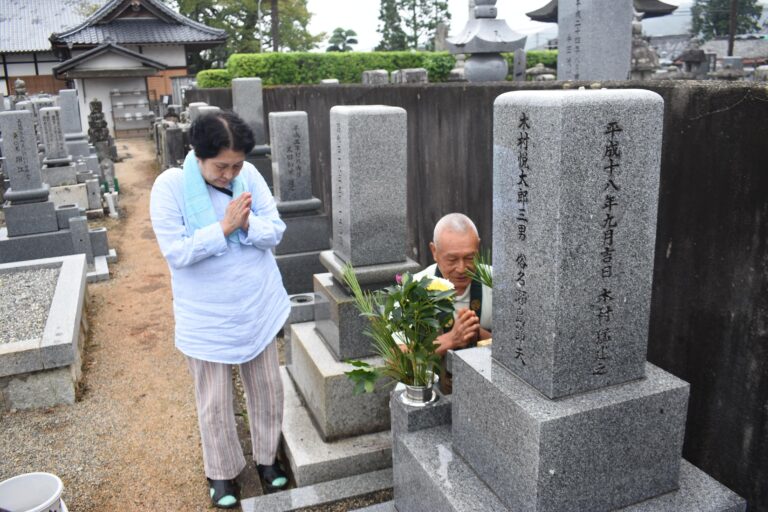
{"type": "Point", "coordinates": [27, 209]}
{"type": "Point", "coordinates": [72, 124]}
{"type": "Point", "coordinates": [58, 168]}
{"type": "Point", "coordinates": [248, 102]}
{"type": "Point", "coordinates": [307, 228]}
{"type": "Point", "coordinates": [595, 39]}
{"type": "Point", "coordinates": [562, 413]}
{"type": "Point", "coordinates": [347, 434]}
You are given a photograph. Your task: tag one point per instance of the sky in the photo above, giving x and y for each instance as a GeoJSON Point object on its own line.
{"type": "Point", "coordinates": [362, 17]}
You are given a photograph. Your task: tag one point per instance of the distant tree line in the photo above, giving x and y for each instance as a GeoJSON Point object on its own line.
{"type": "Point", "coordinates": [711, 18]}
{"type": "Point", "coordinates": [410, 24]}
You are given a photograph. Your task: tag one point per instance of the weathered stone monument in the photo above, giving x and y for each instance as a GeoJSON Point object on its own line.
{"type": "Point", "coordinates": [484, 38]}
{"type": "Point", "coordinates": [338, 434]}
{"type": "Point", "coordinates": [375, 77]}
{"type": "Point", "coordinates": [35, 228]}
{"type": "Point", "coordinates": [410, 76]}
{"type": "Point", "coordinates": [520, 65]}
{"type": "Point", "coordinates": [71, 123]}
{"type": "Point", "coordinates": [594, 39]}
{"type": "Point", "coordinates": [248, 103]}
{"type": "Point", "coordinates": [563, 413]}
{"type": "Point", "coordinates": [58, 167]}
{"type": "Point", "coordinates": [308, 228]}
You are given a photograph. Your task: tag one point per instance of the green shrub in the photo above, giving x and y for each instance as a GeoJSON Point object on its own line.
{"type": "Point", "coordinates": [309, 68]}
{"type": "Point", "coordinates": [214, 78]}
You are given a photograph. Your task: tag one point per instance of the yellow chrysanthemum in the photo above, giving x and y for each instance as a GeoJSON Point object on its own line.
{"type": "Point", "coordinates": [438, 284]}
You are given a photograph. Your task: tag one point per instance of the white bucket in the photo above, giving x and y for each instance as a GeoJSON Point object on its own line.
{"type": "Point", "coordinates": [32, 492]}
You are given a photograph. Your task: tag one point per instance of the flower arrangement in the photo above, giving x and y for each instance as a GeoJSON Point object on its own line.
{"type": "Point", "coordinates": [404, 321]}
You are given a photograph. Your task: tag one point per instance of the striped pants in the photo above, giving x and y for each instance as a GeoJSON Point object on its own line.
{"type": "Point", "coordinates": [222, 453]}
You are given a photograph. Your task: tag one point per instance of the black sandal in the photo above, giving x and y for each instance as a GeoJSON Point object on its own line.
{"type": "Point", "coordinates": [224, 493]}
{"type": "Point", "coordinates": [273, 476]}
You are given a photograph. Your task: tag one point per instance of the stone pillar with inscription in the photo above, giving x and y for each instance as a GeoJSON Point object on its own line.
{"type": "Point", "coordinates": [72, 124]}
{"type": "Point", "coordinates": [594, 39]}
{"type": "Point", "coordinates": [58, 167]}
{"type": "Point", "coordinates": [563, 413]}
{"type": "Point", "coordinates": [338, 433]}
{"type": "Point", "coordinates": [308, 228]}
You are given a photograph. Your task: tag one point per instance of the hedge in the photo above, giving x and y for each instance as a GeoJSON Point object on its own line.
{"type": "Point", "coordinates": [211, 78]}
{"type": "Point", "coordinates": [310, 68]}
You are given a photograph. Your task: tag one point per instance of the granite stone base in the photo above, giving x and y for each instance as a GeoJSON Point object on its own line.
{"type": "Point", "coordinates": [429, 475]}
{"type": "Point", "coordinates": [263, 164]}
{"type": "Point", "coordinates": [596, 451]}
{"type": "Point", "coordinates": [338, 321]}
{"type": "Point", "coordinates": [61, 175]}
{"type": "Point", "coordinates": [30, 218]}
{"type": "Point", "coordinates": [322, 495]}
{"type": "Point", "coordinates": [302, 308]}
{"type": "Point", "coordinates": [70, 194]}
{"type": "Point", "coordinates": [305, 233]}
{"type": "Point", "coordinates": [382, 275]}
{"type": "Point", "coordinates": [44, 371]}
{"type": "Point", "coordinates": [314, 460]}
{"type": "Point", "coordinates": [327, 392]}
{"type": "Point", "coordinates": [297, 270]}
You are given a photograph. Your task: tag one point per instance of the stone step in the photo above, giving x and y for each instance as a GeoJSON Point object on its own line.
{"type": "Point", "coordinates": [431, 476]}
{"type": "Point", "coordinates": [321, 494]}
{"type": "Point", "coordinates": [313, 460]}
{"type": "Point", "coordinates": [328, 393]}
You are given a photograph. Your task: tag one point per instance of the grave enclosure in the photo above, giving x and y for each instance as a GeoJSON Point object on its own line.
{"type": "Point", "coordinates": [710, 235]}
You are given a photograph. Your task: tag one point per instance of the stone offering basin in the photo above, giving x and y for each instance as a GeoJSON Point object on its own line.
{"type": "Point", "coordinates": [43, 371]}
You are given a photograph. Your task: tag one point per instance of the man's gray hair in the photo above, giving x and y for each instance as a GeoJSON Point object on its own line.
{"type": "Point", "coordinates": [455, 222]}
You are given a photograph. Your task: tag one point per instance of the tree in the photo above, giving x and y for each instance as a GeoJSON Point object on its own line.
{"type": "Point", "coordinates": [248, 24]}
{"type": "Point", "coordinates": [393, 37]}
{"type": "Point", "coordinates": [421, 19]}
{"type": "Point", "coordinates": [341, 40]}
{"type": "Point", "coordinates": [711, 18]}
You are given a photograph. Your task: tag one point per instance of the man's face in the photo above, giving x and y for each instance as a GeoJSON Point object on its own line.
{"type": "Point", "coordinates": [455, 255]}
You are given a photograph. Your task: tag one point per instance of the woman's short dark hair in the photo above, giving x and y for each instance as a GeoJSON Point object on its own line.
{"type": "Point", "coordinates": [210, 133]}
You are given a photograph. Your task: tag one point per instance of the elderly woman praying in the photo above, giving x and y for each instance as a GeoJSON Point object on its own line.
{"type": "Point", "coordinates": [216, 224]}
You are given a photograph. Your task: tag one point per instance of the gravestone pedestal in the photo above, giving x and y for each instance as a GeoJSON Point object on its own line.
{"type": "Point", "coordinates": [563, 412]}
{"type": "Point", "coordinates": [369, 231]}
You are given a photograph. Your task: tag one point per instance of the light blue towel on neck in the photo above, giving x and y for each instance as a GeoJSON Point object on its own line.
{"type": "Point", "coordinates": [198, 208]}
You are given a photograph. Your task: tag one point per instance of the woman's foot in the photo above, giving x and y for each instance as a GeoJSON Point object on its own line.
{"type": "Point", "coordinates": [224, 493]}
{"type": "Point", "coordinates": [273, 476]}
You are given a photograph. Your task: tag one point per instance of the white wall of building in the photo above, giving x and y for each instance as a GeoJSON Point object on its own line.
{"type": "Point", "coordinates": [101, 88]}
{"type": "Point", "coordinates": [170, 55]}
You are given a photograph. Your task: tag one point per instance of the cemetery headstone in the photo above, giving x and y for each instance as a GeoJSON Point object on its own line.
{"type": "Point", "coordinates": [58, 168]}
{"type": "Point", "coordinates": [71, 123]}
{"type": "Point", "coordinates": [595, 39]}
{"type": "Point", "coordinates": [28, 210]}
{"type": "Point", "coordinates": [248, 102]}
{"type": "Point", "coordinates": [375, 77]}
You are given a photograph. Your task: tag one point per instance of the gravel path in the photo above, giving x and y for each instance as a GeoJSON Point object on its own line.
{"type": "Point", "coordinates": [25, 298]}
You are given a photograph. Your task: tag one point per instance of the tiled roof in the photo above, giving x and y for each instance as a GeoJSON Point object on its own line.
{"type": "Point", "coordinates": [139, 32]}
{"type": "Point", "coordinates": [25, 25]}
{"type": "Point", "coordinates": [168, 27]}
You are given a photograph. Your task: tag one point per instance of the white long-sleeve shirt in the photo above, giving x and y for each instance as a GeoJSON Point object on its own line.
{"type": "Point", "coordinates": [228, 298]}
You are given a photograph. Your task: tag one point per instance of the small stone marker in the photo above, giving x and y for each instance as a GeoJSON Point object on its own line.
{"type": "Point", "coordinates": [576, 178]}
{"type": "Point", "coordinates": [375, 77]}
{"type": "Point", "coordinates": [194, 110]}
{"type": "Point", "coordinates": [248, 103]}
{"type": "Point", "coordinates": [368, 178]}
{"type": "Point", "coordinates": [410, 76]}
{"type": "Point", "coordinates": [208, 109]}
{"type": "Point", "coordinates": [520, 66]}
{"type": "Point", "coordinates": [289, 140]}
{"type": "Point", "coordinates": [595, 39]}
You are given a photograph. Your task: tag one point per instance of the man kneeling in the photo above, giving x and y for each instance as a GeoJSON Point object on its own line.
{"type": "Point", "coordinates": [454, 245]}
